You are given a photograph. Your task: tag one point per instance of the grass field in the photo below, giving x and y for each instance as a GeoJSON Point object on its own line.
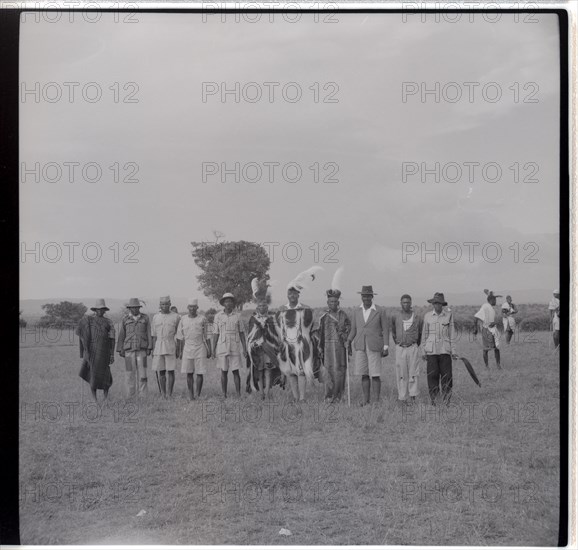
{"type": "Point", "coordinates": [485, 471]}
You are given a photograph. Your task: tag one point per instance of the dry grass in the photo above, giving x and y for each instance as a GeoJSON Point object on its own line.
{"type": "Point", "coordinates": [206, 474]}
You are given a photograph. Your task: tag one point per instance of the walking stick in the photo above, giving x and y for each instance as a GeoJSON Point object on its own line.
{"type": "Point", "coordinates": [347, 374]}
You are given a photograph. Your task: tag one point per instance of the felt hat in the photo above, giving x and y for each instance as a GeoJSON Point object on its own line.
{"type": "Point", "coordinates": [367, 289]}
{"type": "Point", "coordinates": [133, 302]}
{"type": "Point", "coordinates": [438, 298]}
{"type": "Point", "coordinates": [99, 304]}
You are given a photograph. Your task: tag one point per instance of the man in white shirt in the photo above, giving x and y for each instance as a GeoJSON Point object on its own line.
{"type": "Point", "coordinates": [164, 330]}
{"type": "Point", "coordinates": [508, 311]}
{"type": "Point", "coordinates": [370, 337]}
{"type": "Point", "coordinates": [486, 317]}
{"type": "Point", "coordinates": [193, 347]}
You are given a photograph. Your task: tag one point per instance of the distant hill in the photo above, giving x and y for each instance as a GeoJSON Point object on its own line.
{"type": "Point", "coordinates": [32, 309]}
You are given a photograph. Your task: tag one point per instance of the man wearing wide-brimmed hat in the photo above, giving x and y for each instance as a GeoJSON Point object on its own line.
{"type": "Point", "coordinates": [229, 343]}
{"type": "Point", "coordinates": [370, 337]}
{"type": "Point", "coordinates": [486, 317]}
{"type": "Point", "coordinates": [135, 343]}
{"type": "Point", "coordinates": [193, 347]}
{"type": "Point", "coordinates": [96, 338]}
{"type": "Point", "coordinates": [164, 330]}
{"type": "Point", "coordinates": [438, 341]}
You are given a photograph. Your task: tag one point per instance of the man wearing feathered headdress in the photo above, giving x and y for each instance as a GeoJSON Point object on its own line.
{"type": "Point", "coordinates": [334, 327]}
{"type": "Point", "coordinates": [486, 317]}
{"type": "Point", "coordinates": [261, 340]}
{"type": "Point", "coordinates": [294, 323]}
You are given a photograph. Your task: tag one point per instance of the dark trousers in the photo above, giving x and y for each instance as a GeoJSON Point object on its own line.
{"type": "Point", "coordinates": [439, 370]}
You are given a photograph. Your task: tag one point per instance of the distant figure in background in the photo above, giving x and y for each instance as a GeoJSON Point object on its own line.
{"type": "Point", "coordinates": [334, 328]}
{"type": "Point", "coordinates": [554, 307]}
{"type": "Point", "coordinates": [174, 309]}
{"type": "Point", "coordinates": [406, 329]}
{"type": "Point", "coordinates": [134, 344]}
{"type": "Point", "coordinates": [193, 347]}
{"type": "Point", "coordinates": [96, 340]}
{"type": "Point", "coordinates": [370, 338]}
{"type": "Point", "coordinates": [486, 317]}
{"type": "Point", "coordinates": [438, 341]}
{"type": "Point", "coordinates": [164, 330]}
{"type": "Point", "coordinates": [229, 343]}
{"type": "Point", "coordinates": [508, 311]}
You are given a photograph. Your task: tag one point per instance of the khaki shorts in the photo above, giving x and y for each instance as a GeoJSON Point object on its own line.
{"type": "Point", "coordinates": [190, 366]}
{"type": "Point", "coordinates": [368, 363]}
{"type": "Point", "coordinates": [229, 362]}
{"type": "Point", "coordinates": [164, 362]}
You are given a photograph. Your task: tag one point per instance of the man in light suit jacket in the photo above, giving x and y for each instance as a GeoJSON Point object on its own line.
{"type": "Point", "coordinates": [370, 337]}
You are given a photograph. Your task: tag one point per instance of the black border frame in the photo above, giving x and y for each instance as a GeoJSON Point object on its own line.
{"type": "Point", "coordinates": [9, 222]}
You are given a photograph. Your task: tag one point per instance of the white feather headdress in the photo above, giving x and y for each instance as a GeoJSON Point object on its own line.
{"type": "Point", "coordinates": [335, 290]}
{"type": "Point", "coordinates": [261, 289]}
{"type": "Point", "coordinates": [304, 278]}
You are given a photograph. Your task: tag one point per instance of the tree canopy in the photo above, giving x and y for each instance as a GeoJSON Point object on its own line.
{"type": "Point", "coordinates": [64, 314]}
{"type": "Point", "coordinates": [229, 266]}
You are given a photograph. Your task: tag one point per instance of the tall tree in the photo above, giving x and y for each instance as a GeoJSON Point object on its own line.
{"type": "Point", "coordinates": [229, 266]}
{"type": "Point", "coordinates": [64, 314]}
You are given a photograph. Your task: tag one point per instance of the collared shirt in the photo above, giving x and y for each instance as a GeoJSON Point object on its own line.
{"type": "Point", "coordinates": [554, 304]}
{"type": "Point", "coordinates": [193, 330]}
{"type": "Point", "coordinates": [438, 333]}
{"type": "Point", "coordinates": [367, 312]}
{"type": "Point", "coordinates": [135, 333]}
{"type": "Point", "coordinates": [229, 328]}
{"type": "Point", "coordinates": [164, 329]}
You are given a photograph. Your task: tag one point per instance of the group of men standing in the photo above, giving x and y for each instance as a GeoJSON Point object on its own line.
{"type": "Point", "coordinates": [286, 345]}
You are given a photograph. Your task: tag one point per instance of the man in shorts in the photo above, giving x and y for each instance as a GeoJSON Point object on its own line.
{"type": "Point", "coordinates": [370, 338]}
{"type": "Point", "coordinates": [229, 345]}
{"type": "Point", "coordinates": [193, 347]}
{"type": "Point", "coordinates": [164, 330]}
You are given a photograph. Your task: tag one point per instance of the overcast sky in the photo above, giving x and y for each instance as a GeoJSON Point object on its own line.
{"type": "Point", "coordinates": [368, 133]}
